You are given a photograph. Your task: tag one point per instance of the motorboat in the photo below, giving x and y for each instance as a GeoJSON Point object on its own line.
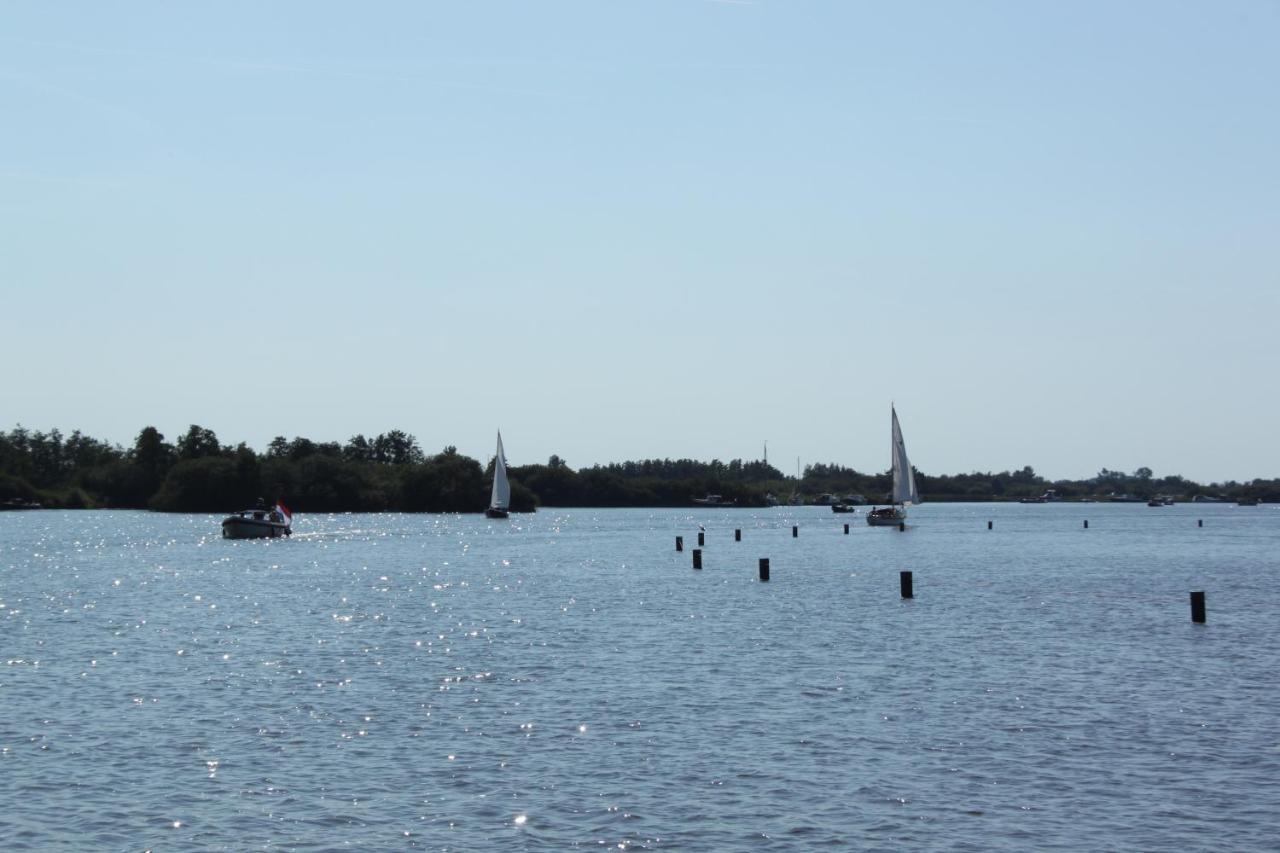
{"type": "Point", "coordinates": [258, 523]}
{"type": "Point", "coordinates": [1048, 497]}
{"type": "Point", "coordinates": [848, 503]}
{"type": "Point", "coordinates": [1160, 500]}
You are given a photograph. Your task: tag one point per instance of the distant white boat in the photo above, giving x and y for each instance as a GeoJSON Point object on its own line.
{"type": "Point", "coordinates": [500, 500]}
{"type": "Point", "coordinates": [904, 483]}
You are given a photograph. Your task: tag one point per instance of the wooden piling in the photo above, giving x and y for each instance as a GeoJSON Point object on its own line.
{"type": "Point", "coordinates": [846, 530]}
{"type": "Point", "coordinates": [988, 525]}
{"type": "Point", "coordinates": [1199, 522]}
{"type": "Point", "coordinates": [702, 539]}
{"type": "Point", "coordinates": [902, 526]}
{"type": "Point", "coordinates": [1086, 524]}
{"type": "Point", "coordinates": [697, 558]}
{"type": "Point", "coordinates": [795, 531]}
{"type": "Point", "coordinates": [1197, 607]}
{"type": "Point", "coordinates": [904, 581]}
{"type": "Point", "coordinates": [679, 543]}
{"type": "Point", "coordinates": [737, 534]}
{"type": "Point", "coordinates": [764, 568]}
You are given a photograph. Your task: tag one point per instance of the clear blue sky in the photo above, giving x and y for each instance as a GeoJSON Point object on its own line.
{"type": "Point", "coordinates": [675, 228]}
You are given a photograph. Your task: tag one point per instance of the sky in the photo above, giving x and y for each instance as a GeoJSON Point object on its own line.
{"type": "Point", "coordinates": [1049, 233]}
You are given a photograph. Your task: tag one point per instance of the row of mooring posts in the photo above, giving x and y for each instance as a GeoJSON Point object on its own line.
{"type": "Point", "coordinates": [906, 584]}
{"type": "Point", "coordinates": [991, 524]}
{"type": "Point", "coordinates": [795, 532]}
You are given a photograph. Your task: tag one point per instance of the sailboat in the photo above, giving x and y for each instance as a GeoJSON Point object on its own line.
{"type": "Point", "coordinates": [904, 483]}
{"type": "Point", "coordinates": [500, 500]}
{"type": "Point", "coordinates": [796, 497]}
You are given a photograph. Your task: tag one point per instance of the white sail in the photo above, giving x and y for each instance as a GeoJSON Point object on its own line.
{"type": "Point", "coordinates": [904, 479]}
{"type": "Point", "coordinates": [501, 498]}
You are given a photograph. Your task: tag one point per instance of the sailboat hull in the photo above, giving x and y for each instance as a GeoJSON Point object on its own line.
{"type": "Point", "coordinates": [886, 517]}
{"type": "Point", "coordinates": [496, 512]}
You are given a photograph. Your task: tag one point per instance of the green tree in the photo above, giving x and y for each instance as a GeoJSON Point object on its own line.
{"type": "Point", "coordinates": [198, 443]}
{"type": "Point", "coordinates": [397, 448]}
{"type": "Point", "coordinates": [358, 449]}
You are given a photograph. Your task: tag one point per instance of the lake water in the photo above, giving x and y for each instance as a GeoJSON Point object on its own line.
{"type": "Point", "coordinates": [566, 680]}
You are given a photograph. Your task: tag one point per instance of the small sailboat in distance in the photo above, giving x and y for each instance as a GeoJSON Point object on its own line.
{"type": "Point", "coordinates": [500, 500]}
{"type": "Point", "coordinates": [904, 483]}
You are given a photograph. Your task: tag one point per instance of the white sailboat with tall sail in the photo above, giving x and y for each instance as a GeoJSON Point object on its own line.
{"type": "Point", "coordinates": [904, 483]}
{"type": "Point", "coordinates": [500, 500]}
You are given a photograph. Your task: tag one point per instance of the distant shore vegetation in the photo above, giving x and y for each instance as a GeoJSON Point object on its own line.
{"type": "Point", "coordinates": [391, 473]}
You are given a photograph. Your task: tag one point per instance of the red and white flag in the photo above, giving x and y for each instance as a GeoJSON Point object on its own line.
{"type": "Point", "coordinates": [284, 511]}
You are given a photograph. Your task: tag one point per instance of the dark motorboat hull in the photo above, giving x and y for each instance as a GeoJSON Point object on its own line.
{"type": "Point", "coordinates": [496, 512]}
{"type": "Point", "coordinates": [843, 508]}
{"type": "Point", "coordinates": [252, 528]}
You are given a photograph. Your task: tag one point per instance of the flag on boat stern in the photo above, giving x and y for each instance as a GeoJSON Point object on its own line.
{"type": "Point", "coordinates": [285, 512]}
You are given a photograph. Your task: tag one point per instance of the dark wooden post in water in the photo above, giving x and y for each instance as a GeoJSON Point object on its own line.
{"type": "Point", "coordinates": [697, 558]}
{"type": "Point", "coordinates": [1086, 524]}
{"type": "Point", "coordinates": [679, 543]}
{"type": "Point", "coordinates": [988, 525]}
{"type": "Point", "coordinates": [902, 526]}
{"type": "Point", "coordinates": [846, 530]}
{"type": "Point", "coordinates": [795, 531]}
{"type": "Point", "coordinates": [1199, 522]}
{"type": "Point", "coordinates": [904, 581]}
{"type": "Point", "coordinates": [1197, 607]}
{"type": "Point", "coordinates": [764, 568]}
{"type": "Point", "coordinates": [702, 539]}
{"type": "Point", "coordinates": [737, 534]}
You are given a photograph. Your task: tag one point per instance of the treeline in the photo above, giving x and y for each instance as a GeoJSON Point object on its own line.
{"type": "Point", "coordinates": [390, 472]}
{"type": "Point", "coordinates": [1026, 483]}
{"type": "Point", "coordinates": [197, 473]}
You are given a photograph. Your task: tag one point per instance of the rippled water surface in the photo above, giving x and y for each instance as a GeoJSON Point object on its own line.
{"type": "Point", "coordinates": [566, 679]}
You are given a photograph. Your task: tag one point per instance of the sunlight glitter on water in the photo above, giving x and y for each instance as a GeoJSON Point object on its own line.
{"type": "Point", "coordinates": [1003, 684]}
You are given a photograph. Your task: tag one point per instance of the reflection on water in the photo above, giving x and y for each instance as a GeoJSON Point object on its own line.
{"type": "Point", "coordinates": [566, 679]}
